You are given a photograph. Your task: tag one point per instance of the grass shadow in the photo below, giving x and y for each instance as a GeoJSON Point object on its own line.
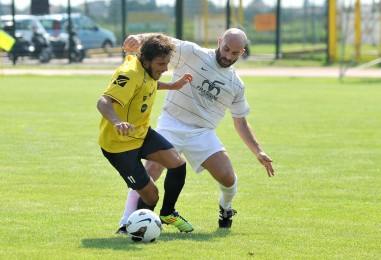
{"type": "Point", "coordinates": [194, 236]}
{"type": "Point", "coordinates": [123, 242]}
{"type": "Point", "coordinates": [115, 243]}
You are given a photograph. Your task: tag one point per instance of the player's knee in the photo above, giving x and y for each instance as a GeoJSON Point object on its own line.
{"type": "Point", "coordinates": [149, 194]}
{"type": "Point", "coordinates": [179, 161]}
{"type": "Point", "coordinates": [230, 187]}
{"type": "Point", "coordinates": [228, 179]}
{"type": "Point", "coordinates": [154, 169]}
{"type": "Point", "coordinates": [151, 199]}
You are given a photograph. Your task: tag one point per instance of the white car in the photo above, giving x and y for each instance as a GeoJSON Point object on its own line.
{"type": "Point", "coordinates": [25, 24]}
{"type": "Point", "coordinates": [31, 38]}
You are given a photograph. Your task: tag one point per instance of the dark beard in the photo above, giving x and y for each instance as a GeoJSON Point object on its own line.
{"type": "Point", "coordinates": [219, 59]}
{"type": "Point", "coordinates": [149, 70]}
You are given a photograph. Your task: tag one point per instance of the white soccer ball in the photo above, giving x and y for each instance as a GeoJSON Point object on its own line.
{"type": "Point", "coordinates": [143, 225]}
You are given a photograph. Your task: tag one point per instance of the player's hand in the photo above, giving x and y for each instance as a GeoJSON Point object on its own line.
{"type": "Point", "coordinates": [185, 79]}
{"type": "Point", "coordinates": [132, 43]}
{"type": "Point", "coordinates": [124, 128]}
{"type": "Point", "coordinates": [267, 162]}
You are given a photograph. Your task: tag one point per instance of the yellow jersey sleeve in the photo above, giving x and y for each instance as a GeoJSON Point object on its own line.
{"type": "Point", "coordinates": [122, 86]}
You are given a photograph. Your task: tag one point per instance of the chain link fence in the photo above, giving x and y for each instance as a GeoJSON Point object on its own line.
{"type": "Point", "coordinates": [302, 35]}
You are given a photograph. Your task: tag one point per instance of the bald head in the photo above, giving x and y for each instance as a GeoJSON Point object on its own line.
{"type": "Point", "coordinates": [230, 46]}
{"type": "Point", "coordinates": [235, 35]}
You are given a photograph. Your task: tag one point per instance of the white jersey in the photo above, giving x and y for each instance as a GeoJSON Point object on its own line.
{"type": "Point", "coordinates": [204, 101]}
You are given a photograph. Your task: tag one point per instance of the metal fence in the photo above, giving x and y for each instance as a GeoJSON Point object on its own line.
{"type": "Point", "coordinates": [303, 31]}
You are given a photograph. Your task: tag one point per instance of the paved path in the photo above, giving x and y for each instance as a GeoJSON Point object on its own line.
{"type": "Point", "coordinates": [310, 72]}
{"type": "Point", "coordinates": [265, 71]}
{"type": "Point", "coordinates": [92, 66]}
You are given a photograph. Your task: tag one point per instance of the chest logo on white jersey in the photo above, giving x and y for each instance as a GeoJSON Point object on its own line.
{"type": "Point", "coordinates": [210, 90]}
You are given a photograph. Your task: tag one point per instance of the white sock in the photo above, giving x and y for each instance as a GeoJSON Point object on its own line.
{"type": "Point", "coordinates": [228, 193]}
{"type": "Point", "coordinates": [131, 206]}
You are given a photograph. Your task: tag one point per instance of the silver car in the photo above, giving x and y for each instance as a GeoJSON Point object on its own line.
{"type": "Point", "coordinates": [90, 34]}
{"type": "Point", "coordinates": [25, 26]}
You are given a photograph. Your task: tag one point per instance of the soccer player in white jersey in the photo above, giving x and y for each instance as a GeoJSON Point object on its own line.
{"type": "Point", "coordinates": [190, 116]}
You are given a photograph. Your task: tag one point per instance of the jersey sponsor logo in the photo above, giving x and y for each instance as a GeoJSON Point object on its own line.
{"type": "Point", "coordinates": [148, 96]}
{"type": "Point", "coordinates": [212, 89]}
{"type": "Point", "coordinates": [121, 80]}
{"type": "Point", "coordinates": [145, 98]}
{"type": "Point", "coordinates": [143, 108]}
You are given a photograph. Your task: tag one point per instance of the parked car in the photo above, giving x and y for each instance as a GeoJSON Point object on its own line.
{"type": "Point", "coordinates": [90, 34]}
{"type": "Point", "coordinates": [31, 38]}
{"type": "Point", "coordinates": [24, 25]}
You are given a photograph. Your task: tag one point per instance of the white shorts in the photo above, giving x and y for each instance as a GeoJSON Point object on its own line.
{"type": "Point", "coordinates": [197, 144]}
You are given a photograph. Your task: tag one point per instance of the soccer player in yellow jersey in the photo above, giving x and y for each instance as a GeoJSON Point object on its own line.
{"type": "Point", "coordinates": [125, 134]}
{"type": "Point", "coordinates": [191, 115]}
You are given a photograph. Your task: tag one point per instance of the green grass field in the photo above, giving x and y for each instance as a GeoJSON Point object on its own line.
{"type": "Point", "coordinates": [60, 198]}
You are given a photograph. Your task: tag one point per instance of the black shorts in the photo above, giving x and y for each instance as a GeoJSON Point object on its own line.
{"type": "Point", "coordinates": [129, 164]}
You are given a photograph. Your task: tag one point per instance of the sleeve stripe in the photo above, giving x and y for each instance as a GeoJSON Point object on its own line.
{"type": "Point", "coordinates": [114, 98]}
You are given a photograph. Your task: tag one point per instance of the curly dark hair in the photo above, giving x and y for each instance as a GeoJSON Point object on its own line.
{"type": "Point", "coordinates": [156, 45]}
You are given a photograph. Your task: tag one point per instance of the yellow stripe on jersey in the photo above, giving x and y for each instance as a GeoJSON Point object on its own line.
{"type": "Point", "coordinates": [134, 92]}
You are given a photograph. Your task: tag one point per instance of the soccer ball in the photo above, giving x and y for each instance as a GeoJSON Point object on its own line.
{"type": "Point", "coordinates": [143, 225]}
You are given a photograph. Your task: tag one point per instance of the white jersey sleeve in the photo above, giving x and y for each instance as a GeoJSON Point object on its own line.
{"type": "Point", "coordinates": [204, 101]}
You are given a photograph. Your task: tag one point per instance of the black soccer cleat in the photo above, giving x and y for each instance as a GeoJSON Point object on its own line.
{"type": "Point", "coordinates": [122, 230]}
{"type": "Point", "coordinates": [225, 218]}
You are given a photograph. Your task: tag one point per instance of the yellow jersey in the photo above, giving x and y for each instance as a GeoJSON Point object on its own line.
{"type": "Point", "coordinates": [134, 92]}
